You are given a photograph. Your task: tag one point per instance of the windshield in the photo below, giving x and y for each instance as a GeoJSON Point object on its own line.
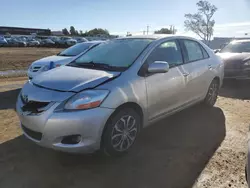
{"type": "Point", "coordinates": [75, 50]}
{"type": "Point", "coordinates": [115, 53]}
{"type": "Point", "coordinates": [237, 47]}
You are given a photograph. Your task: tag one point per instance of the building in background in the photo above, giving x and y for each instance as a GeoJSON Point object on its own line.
{"type": "Point", "coordinates": [23, 31]}
{"type": "Point", "coordinates": [57, 33]}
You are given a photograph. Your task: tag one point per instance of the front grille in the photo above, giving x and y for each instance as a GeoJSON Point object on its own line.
{"type": "Point", "coordinates": [35, 69]}
{"type": "Point", "coordinates": [33, 106]}
{"type": "Point", "coordinates": [33, 134]}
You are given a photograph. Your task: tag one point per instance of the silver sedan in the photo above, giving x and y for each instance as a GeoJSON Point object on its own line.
{"type": "Point", "coordinates": [103, 99]}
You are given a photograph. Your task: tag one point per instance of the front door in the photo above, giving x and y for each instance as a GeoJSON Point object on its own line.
{"type": "Point", "coordinates": [165, 91]}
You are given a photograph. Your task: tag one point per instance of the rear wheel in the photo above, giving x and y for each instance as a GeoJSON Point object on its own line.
{"type": "Point", "coordinates": [121, 132]}
{"type": "Point", "coordinates": [212, 93]}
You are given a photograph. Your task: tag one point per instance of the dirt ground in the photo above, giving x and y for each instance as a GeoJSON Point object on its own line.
{"type": "Point", "coordinates": [21, 58]}
{"type": "Point", "coordinates": [197, 148]}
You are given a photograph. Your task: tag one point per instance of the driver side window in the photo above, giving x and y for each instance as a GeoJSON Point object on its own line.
{"type": "Point", "coordinates": [169, 52]}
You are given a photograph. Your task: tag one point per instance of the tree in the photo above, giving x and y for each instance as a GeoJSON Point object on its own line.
{"type": "Point", "coordinates": [172, 30]}
{"type": "Point", "coordinates": [97, 31]}
{"type": "Point", "coordinates": [65, 31]}
{"type": "Point", "coordinates": [80, 32]}
{"type": "Point", "coordinates": [72, 30]}
{"type": "Point", "coordinates": [201, 23]}
{"type": "Point", "coordinates": [76, 33]}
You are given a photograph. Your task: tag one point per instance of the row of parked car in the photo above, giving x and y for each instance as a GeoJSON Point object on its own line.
{"type": "Point", "coordinates": [30, 41]}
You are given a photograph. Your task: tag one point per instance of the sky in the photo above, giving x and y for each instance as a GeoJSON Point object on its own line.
{"type": "Point", "coordinates": [119, 16]}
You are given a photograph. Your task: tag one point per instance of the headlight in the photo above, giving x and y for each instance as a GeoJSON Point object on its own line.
{"type": "Point", "coordinates": [86, 100]}
{"type": "Point", "coordinates": [45, 68]}
{"type": "Point", "coordinates": [247, 63]}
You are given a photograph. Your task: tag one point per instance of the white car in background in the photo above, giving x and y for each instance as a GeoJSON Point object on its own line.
{"type": "Point", "coordinates": [67, 41]}
{"type": "Point", "coordinates": [64, 57]}
{"type": "Point", "coordinates": [70, 42]}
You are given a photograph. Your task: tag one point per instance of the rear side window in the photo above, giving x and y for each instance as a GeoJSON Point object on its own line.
{"type": "Point", "coordinates": [193, 49]}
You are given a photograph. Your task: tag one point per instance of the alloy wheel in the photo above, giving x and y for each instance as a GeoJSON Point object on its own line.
{"type": "Point", "coordinates": [213, 92]}
{"type": "Point", "coordinates": [124, 133]}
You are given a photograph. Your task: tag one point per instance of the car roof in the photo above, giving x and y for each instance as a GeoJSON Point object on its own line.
{"type": "Point", "coordinates": [240, 40]}
{"type": "Point", "coordinates": [156, 37]}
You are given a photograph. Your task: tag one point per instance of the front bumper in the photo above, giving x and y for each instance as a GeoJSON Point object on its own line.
{"type": "Point", "coordinates": [53, 126]}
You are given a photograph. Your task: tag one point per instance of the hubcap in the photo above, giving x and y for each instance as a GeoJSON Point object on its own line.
{"type": "Point", "coordinates": [124, 133]}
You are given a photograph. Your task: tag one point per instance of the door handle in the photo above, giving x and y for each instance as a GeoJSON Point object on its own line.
{"type": "Point", "coordinates": [185, 74]}
{"type": "Point", "coordinates": [209, 67]}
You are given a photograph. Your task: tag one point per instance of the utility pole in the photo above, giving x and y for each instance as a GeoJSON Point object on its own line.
{"type": "Point", "coordinates": [147, 29]}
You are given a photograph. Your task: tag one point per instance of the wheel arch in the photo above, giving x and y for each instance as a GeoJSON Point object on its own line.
{"type": "Point", "coordinates": [132, 105]}
{"type": "Point", "coordinates": [217, 78]}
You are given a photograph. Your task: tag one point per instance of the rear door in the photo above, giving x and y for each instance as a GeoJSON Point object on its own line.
{"type": "Point", "coordinates": [196, 69]}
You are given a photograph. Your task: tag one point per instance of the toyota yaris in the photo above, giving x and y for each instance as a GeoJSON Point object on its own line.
{"type": "Point", "coordinates": [103, 99]}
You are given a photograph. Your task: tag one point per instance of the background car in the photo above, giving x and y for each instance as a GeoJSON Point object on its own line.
{"type": "Point", "coordinates": [62, 58]}
{"type": "Point", "coordinates": [80, 39]}
{"type": "Point", "coordinates": [56, 40]}
{"type": "Point", "coordinates": [15, 42]}
{"type": "Point", "coordinates": [70, 42]}
{"type": "Point", "coordinates": [32, 43]}
{"type": "Point", "coordinates": [66, 41]}
{"type": "Point", "coordinates": [3, 41]}
{"type": "Point", "coordinates": [47, 43]}
{"type": "Point", "coordinates": [236, 57]}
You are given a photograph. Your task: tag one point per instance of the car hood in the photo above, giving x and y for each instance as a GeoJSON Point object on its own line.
{"type": "Point", "coordinates": [62, 60]}
{"type": "Point", "coordinates": [234, 60]}
{"type": "Point", "coordinates": [73, 79]}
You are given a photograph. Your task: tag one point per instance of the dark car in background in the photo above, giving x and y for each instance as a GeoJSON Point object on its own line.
{"type": "Point", "coordinates": [236, 57]}
{"type": "Point", "coordinates": [47, 43]}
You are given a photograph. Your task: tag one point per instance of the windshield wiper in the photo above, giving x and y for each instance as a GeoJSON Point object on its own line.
{"type": "Point", "coordinates": [101, 66]}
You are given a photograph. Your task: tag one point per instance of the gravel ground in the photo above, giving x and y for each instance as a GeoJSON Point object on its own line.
{"type": "Point", "coordinates": [197, 147]}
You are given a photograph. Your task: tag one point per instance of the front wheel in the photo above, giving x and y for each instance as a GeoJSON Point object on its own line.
{"type": "Point", "coordinates": [121, 132]}
{"type": "Point", "coordinates": [212, 93]}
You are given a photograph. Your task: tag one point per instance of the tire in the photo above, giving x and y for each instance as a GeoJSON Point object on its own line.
{"type": "Point", "coordinates": [212, 94]}
{"type": "Point", "coordinates": [120, 132]}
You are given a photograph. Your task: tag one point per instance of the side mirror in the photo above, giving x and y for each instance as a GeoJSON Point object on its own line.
{"type": "Point", "coordinates": [216, 51]}
{"type": "Point", "coordinates": [158, 67]}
